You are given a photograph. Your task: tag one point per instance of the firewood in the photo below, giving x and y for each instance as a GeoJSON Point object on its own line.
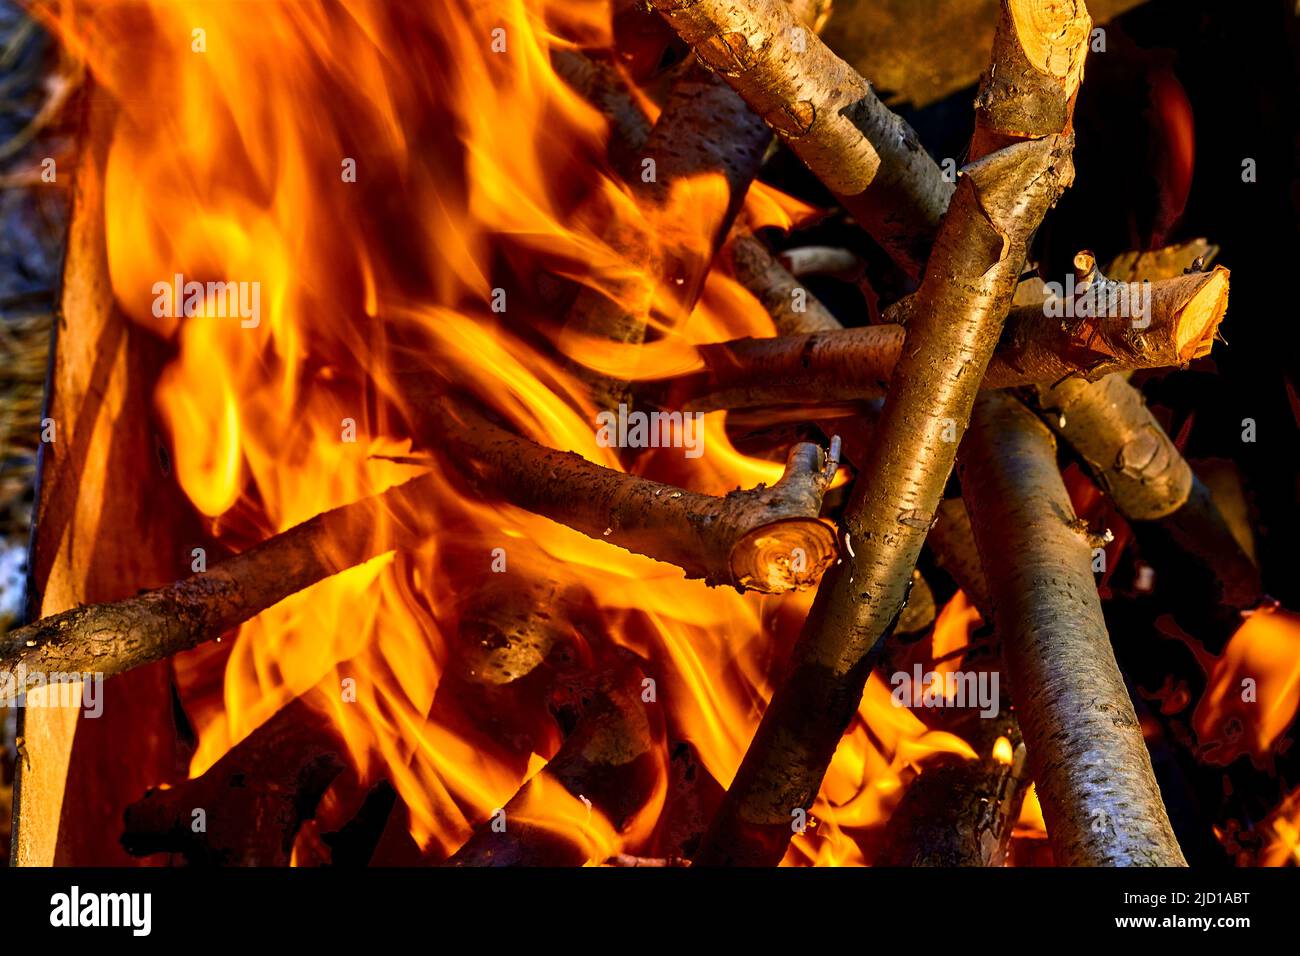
{"type": "Point", "coordinates": [961, 812]}
{"type": "Point", "coordinates": [836, 365]}
{"type": "Point", "coordinates": [772, 284]}
{"type": "Point", "coordinates": [767, 539]}
{"type": "Point", "coordinates": [609, 761]}
{"type": "Point", "coordinates": [953, 543]}
{"type": "Point", "coordinates": [865, 154]}
{"type": "Point", "coordinates": [964, 299]}
{"type": "Point", "coordinates": [1137, 463]}
{"type": "Point", "coordinates": [704, 128]}
{"type": "Point", "coordinates": [111, 638]}
{"type": "Point", "coordinates": [1086, 751]}
{"type": "Point", "coordinates": [247, 808]}
{"type": "Point", "coordinates": [842, 264]}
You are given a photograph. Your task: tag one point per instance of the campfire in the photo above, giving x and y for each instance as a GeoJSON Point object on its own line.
{"type": "Point", "coordinates": [575, 432]}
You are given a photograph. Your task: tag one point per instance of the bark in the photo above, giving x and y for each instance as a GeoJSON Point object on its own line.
{"type": "Point", "coordinates": [1086, 751]}
{"type": "Point", "coordinates": [1134, 459]}
{"type": "Point", "coordinates": [254, 799]}
{"type": "Point", "coordinates": [961, 306]}
{"type": "Point", "coordinates": [1029, 89]}
{"type": "Point", "coordinates": [609, 759]}
{"type": "Point", "coordinates": [842, 264]}
{"type": "Point", "coordinates": [961, 812]}
{"type": "Point", "coordinates": [601, 84]}
{"type": "Point", "coordinates": [110, 638]}
{"type": "Point", "coordinates": [776, 288]}
{"type": "Point", "coordinates": [704, 128]}
{"type": "Point", "coordinates": [1140, 468]}
{"type": "Point", "coordinates": [768, 539]}
{"type": "Point", "coordinates": [865, 154]}
{"type": "Point", "coordinates": [837, 365]}
{"type": "Point", "coordinates": [962, 303]}
{"type": "Point", "coordinates": [953, 543]}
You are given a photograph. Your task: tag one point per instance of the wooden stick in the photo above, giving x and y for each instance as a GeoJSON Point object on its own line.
{"type": "Point", "coordinates": [865, 154]}
{"type": "Point", "coordinates": [609, 761]}
{"type": "Point", "coordinates": [961, 812]}
{"type": "Point", "coordinates": [1089, 760]}
{"type": "Point", "coordinates": [772, 284]}
{"type": "Point", "coordinates": [1135, 461]}
{"type": "Point", "coordinates": [836, 365]}
{"type": "Point", "coordinates": [962, 303]}
{"type": "Point", "coordinates": [768, 539]}
{"type": "Point", "coordinates": [965, 296]}
{"type": "Point", "coordinates": [253, 800]}
{"type": "Point", "coordinates": [704, 128]}
{"type": "Point", "coordinates": [111, 638]}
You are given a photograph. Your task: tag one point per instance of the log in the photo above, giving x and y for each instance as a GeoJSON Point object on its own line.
{"type": "Point", "coordinates": [1086, 751]}
{"type": "Point", "coordinates": [865, 154]}
{"type": "Point", "coordinates": [253, 800]}
{"type": "Point", "coordinates": [965, 297]}
{"type": "Point", "coordinates": [1136, 462]}
{"type": "Point", "coordinates": [838, 365]}
{"type": "Point", "coordinates": [114, 637]}
{"type": "Point", "coordinates": [704, 128]}
{"type": "Point", "coordinates": [767, 539]}
{"type": "Point", "coordinates": [961, 812]}
{"type": "Point", "coordinates": [772, 284]}
{"type": "Point", "coordinates": [611, 761]}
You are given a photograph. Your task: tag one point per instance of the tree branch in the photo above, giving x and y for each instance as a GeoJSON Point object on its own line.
{"type": "Point", "coordinates": [837, 365]}
{"type": "Point", "coordinates": [1089, 760]}
{"type": "Point", "coordinates": [826, 113]}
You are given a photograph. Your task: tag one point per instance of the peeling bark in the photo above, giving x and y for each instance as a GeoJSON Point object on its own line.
{"type": "Point", "coordinates": [1089, 760]}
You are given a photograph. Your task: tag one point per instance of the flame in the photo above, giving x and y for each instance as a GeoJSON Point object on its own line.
{"type": "Point", "coordinates": [386, 182]}
{"type": "Point", "coordinates": [1253, 689]}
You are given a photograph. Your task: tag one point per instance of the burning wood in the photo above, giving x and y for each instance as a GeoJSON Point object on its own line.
{"type": "Point", "coordinates": [828, 115]}
{"type": "Point", "coordinates": [607, 765]}
{"type": "Point", "coordinates": [609, 191]}
{"type": "Point", "coordinates": [769, 539]}
{"type": "Point", "coordinates": [247, 808]}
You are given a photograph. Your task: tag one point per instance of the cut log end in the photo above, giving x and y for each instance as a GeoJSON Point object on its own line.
{"type": "Point", "coordinates": [789, 555]}
{"type": "Point", "coordinates": [1199, 319]}
{"type": "Point", "coordinates": [1054, 37]}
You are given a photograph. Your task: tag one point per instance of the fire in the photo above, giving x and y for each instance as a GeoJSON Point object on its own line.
{"type": "Point", "coordinates": [391, 179]}
{"type": "Point", "coordinates": [1253, 689]}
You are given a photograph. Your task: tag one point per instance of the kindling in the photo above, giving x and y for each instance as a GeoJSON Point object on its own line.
{"type": "Point", "coordinates": [103, 909]}
{"type": "Point", "coordinates": [214, 300]}
{"type": "Point", "coordinates": [654, 430]}
{"type": "Point", "coordinates": [954, 689]}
